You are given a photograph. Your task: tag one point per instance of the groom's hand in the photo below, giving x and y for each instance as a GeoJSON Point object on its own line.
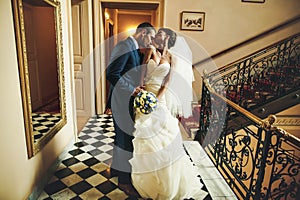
{"type": "Point", "coordinates": [137, 90]}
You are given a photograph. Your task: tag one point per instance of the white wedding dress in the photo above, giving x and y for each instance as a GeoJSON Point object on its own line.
{"type": "Point", "coordinates": [161, 169]}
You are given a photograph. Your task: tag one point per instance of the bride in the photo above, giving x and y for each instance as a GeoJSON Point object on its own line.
{"type": "Point", "coordinates": [161, 169]}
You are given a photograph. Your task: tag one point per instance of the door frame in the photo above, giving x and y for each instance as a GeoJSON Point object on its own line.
{"type": "Point", "coordinates": [99, 46]}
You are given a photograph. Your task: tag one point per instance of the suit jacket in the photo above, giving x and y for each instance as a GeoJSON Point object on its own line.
{"type": "Point", "coordinates": [123, 72]}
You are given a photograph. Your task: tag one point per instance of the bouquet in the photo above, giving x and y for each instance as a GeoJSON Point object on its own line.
{"type": "Point", "coordinates": [145, 102]}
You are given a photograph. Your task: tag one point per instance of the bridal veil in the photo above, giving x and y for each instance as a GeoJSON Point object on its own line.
{"type": "Point", "coordinates": [180, 94]}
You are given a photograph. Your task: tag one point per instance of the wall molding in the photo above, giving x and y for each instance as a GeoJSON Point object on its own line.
{"type": "Point", "coordinates": [287, 120]}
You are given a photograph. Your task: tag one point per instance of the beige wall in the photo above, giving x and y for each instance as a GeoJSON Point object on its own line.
{"type": "Point", "coordinates": [19, 174]}
{"type": "Point", "coordinates": [129, 20]}
{"type": "Point", "coordinates": [228, 23]}
{"type": "Point", "coordinates": [232, 21]}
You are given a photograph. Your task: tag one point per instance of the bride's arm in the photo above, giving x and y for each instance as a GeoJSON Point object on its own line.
{"type": "Point", "coordinates": [164, 86]}
{"type": "Point", "coordinates": [166, 46]}
{"type": "Point", "coordinates": [165, 57]}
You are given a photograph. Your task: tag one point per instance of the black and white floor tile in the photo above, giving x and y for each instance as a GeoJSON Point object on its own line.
{"type": "Point", "coordinates": [84, 173]}
{"type": "Point", "coordinates": [42, 123]}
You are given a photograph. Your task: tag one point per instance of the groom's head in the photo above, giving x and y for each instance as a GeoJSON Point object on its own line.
{"type": "Point", "coordinates": [144, 34]}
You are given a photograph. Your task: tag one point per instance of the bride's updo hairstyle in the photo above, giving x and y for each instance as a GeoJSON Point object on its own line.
{"type": "Point", "coordinates": [172, 35]}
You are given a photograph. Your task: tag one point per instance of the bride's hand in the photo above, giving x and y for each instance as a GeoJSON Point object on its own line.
{"type": "Point", "coordinates": [166, 41]}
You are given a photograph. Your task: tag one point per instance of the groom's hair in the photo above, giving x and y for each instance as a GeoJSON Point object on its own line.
{"type": "Point", "coordinates": [172, 35]}
{"type": "Point", "coordinates": [145, 25]}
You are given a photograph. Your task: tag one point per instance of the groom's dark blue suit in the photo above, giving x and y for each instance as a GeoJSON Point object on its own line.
{"type": "Point", "coordinates": [123, 72]}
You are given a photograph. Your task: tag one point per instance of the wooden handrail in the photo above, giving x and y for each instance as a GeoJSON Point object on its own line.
{"type": "Point", "coordinates": [250, 115]}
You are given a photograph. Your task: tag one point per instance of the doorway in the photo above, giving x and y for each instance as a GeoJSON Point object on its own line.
{"type": "Point", "coordinates": [118, 20]}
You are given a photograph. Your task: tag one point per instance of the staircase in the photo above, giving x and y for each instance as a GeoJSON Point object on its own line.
{"type": "Point", "coordinates": [266, 78]}
{"type": "Point", "coordinates": [257, 159]}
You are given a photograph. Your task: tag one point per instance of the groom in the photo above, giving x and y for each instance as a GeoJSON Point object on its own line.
{"type": "Point", "coordinates": [123, 73]}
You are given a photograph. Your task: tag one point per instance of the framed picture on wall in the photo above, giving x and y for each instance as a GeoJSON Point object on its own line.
{"type": "Point", "coordinates": [254, 1]}
{"type": "Point", "coordinates": [193, 21]}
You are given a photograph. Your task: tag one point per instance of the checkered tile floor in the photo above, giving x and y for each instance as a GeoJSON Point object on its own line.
{"type": "Point", "coordinates": [42, 123]}
{"type": "Point", "coordinates": [84, 173]}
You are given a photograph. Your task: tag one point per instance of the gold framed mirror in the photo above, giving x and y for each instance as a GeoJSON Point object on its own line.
{"type": "Point", "coordinates": [38, 30]}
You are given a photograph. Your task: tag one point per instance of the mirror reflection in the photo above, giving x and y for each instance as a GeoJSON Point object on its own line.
{"type": "Point", "coordinates": [38, 31]}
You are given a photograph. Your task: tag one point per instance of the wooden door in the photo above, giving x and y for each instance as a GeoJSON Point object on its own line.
{"type": "Point", "coordinates": [83, 58]}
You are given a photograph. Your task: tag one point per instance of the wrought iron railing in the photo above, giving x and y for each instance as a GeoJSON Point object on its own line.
{"type": "Point", "coordinates": [258, 160]}
{"type": "Point", "coordinates": [261, 77]}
